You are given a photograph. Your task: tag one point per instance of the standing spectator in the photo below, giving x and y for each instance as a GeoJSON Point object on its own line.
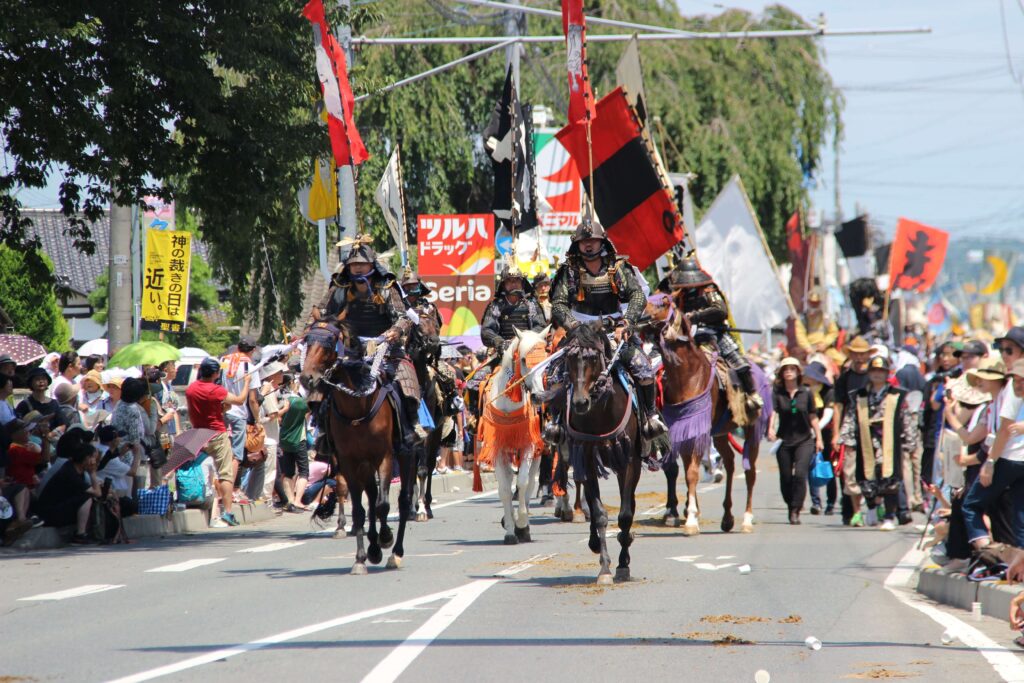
{"type": "Point", "coordinates": [883, 432]}
{"type": "Point", "coordinates": [237, 368]}
{"type": "Point", "coordinates": [293, 462]}
{"type": "Point", "coordinates": [39, 400]}
{"type": "Point", "coordinates": [69, 495]}
{"type": "Point", "coordinates": [795, 421]}
{"type": "Point", "coordinates": [50, 364]}
{"type": "Point", "coordinates": [1004, 468]}
{"type": "Point", "coordinates": [169, 401]}
{"type": "Point", "coordinates": [946, 368]}
{"type": "Point", "coordinates": [69, 367]}
{"type": "Point", "coordinates": [129, 419]}
{"type": "Point", "coordinates": [261, 477]}
{"type": "Point", "coordinates": [815, 378]}
{"type": "Point", "coordinates": [970, 355]}
{"type": "Point", "coordinates": [851, 379]}
{"type": "Point", "coordinates": [90, 398]}
{"type": "Point", "coordinates": [206, 400]}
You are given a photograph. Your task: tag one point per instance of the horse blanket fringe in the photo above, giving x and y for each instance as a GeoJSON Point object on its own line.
{"type": "Point", "coordinates": [514, 434]}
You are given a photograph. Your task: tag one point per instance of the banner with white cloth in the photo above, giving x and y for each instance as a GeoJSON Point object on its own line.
{"type": "Point", "coordinates": [732, 248]}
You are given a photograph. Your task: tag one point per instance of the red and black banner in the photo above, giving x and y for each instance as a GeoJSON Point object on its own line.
{"type": "Point", "coordinates": [631, 201]}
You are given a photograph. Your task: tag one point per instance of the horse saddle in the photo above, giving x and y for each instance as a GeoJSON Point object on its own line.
{"type": "Point", "coordinates": [729, 382]}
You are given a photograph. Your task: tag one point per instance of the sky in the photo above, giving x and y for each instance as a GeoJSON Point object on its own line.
{"type": "Point", "coordinates": [933, 122]}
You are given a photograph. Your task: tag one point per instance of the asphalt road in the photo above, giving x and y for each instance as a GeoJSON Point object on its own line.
{"type": "Point", "coordinates": [276, 602]}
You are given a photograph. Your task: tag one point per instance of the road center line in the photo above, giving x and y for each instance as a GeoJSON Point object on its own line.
{"type": "Point", "coordinates": [74, 592]}
{"type": "Point", "coordinates": [392, 666]}
{"type": "Point", "coordinates": [475, 588]}
{"type": "Point", "coordinates": [185, 566]}
{"type": "Point", "coordinates": [272, 547]}
{"type": "Point", "coordinates": [1006, 663]}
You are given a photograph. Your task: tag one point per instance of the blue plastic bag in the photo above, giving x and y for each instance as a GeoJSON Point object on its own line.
{"type": "Point", "coordinates": [821, 471]}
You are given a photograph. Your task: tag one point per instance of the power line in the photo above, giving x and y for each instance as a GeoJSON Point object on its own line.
{"type": "Point", "coordinates": [1006, 46]}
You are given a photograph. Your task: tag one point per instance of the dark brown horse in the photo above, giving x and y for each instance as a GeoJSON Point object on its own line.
{"type": "Point", "coordinates": [602, 432]}
{"type": "Point", "coordinates": [363, 433]}
{"type": "Point", "coordinates": [697, 412]}
{"type": "Point", "coordinates": [424, 350]}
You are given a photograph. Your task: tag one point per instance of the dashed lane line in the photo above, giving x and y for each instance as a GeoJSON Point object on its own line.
{"type": "Point", "coordinates": [185, 566]}
{"type": "Point", "coordinates": [272, 547]}
{"type": "Point", "coordinates": [73, 592]}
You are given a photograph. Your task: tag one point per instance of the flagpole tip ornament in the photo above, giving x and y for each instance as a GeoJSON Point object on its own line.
{"type": "Point", "coordinates": [688, 274]}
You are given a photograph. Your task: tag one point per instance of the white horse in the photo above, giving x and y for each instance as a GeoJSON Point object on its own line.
{"type": "Point", "coordinates": [509, 431]}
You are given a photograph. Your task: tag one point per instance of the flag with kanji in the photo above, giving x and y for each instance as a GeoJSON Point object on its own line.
{"type": "Point", "coordinates": [632, 202]}
{"type": "Point", "coordinates": [581, 97]}
{"type": "Point", "coordinates": [332, 72]}
{"type": "Point", "coordinates": [917, 255]}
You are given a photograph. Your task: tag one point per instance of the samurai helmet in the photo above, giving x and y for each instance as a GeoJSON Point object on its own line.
{"type": "Point", "coordinates": [360, 250]}
{"type": "Point", "coordinates": [688, 274]}
{"type": "Point", "coordinates": [411, 283]}
{"type": "Point", "coordinates": [510, 270]}
{"type": "Point", "coordinates": [590, 229]}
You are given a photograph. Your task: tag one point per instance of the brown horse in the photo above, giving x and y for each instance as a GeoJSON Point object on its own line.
{"type": "Point", "coordinates": [424, 350]}
{"type": "Point", "coordinates": [697, 412]}
{"type": "Point", "coordinates": [363, 431]}
{"type": "Point", "coordinates": [602, 431]}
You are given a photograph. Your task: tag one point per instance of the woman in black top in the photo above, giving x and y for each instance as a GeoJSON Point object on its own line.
{"type": "Point", "coordinates": [816, 381]}
{"type": "Point", "coordinates": [795, 421]}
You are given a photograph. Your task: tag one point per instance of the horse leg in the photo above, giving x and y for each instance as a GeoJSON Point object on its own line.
{"type": "Point", "coordinates": [598, 525]}
{"type": "Point", "coordinates": [627, 509]}
{"type": "Point", "coordinates": [503, 473]}
{"type": "Point", "coordinates": [428, 497]}
{"type": "Point", "coordinates": [407, 465]}
{"type": "Point", "coordinates": [691, 462]}
{"type": "Point", "coordinates": [384, 500]}
{"type": "Point", "coordinates": [671, 469]}
{"type": "Point", "coordinates": [528, 473]}
{"type": "Point", "coordinates": [358, 523]}
{"type": "Point", "coordinates": [729, 461]}
{"type": "Point", "coordinates": [750, 452]}
{"type": "Point", "coordinates": [373, 553]}
{"type": "Point", "coordinates": [422, 476]}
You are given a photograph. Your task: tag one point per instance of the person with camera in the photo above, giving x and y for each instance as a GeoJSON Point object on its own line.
{"type": "Point", "coordinates": [207, 400]}
{"type": "Point", "coordinates": [112, 463]}
{"type": "Point", "coordinates": [71, 491]}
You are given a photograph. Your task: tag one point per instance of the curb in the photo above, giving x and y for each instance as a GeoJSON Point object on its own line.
{"type": "Point", "coordinates": [956, 591]}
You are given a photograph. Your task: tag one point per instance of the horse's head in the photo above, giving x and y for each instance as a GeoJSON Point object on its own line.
{"type": "Point", "coordinates": [425, 340]}
{"type": "Point", "coordinates": [529, 350]}
{"type": "Point", "coordinates": [585, 362]}
{"type": "Point", "coordinates": [678, 332]}
{"type": "Point", "coordinates": [321, 341]}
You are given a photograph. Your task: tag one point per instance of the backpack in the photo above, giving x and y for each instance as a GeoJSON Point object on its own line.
{"type": "Point", "coordinates": [191, 484]}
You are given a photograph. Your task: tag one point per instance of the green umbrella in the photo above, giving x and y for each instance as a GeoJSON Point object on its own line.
{"type": "Point", "coordinates": [143, 353]}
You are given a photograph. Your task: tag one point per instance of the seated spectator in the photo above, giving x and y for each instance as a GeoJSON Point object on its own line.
{"type": "Point", "coordinates": [69, 440]}
{"type": "Point", "coordinates": [90, 398]}
{"type": "Point", "coordinates": [68, 497]}
{"type": "Point", "coordinates": [24, 457]}
{"type": "Point", "coordinates": [319, 485]}
{"type": "Point", "coordinates": [66, 396]}
{"type": "Point", "coordinates": [39, 400]}
{"type": "Point", "coordinates": [112, 465]}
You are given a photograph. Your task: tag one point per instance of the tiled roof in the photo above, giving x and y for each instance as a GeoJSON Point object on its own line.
{"type": "Point", "coordinates": [81, 269]}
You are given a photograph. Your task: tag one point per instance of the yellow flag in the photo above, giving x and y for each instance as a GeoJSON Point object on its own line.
{"type": "Point", "coordinates": [323, 193]}
{"type": "Point", "coordinates": [165, 282]}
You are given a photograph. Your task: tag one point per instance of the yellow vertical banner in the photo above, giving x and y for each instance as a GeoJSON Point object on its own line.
{"type": "Point", "coordinates": [165, 281]}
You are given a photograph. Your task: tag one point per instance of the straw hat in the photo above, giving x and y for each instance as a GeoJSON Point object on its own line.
{"type": "Point", "coordinates": [94, 376]}
{"type": "Point", "coordinates": [789, 361]}
{"type": "Point", "coordinates": [969, 394]}
{"type": "Point", "coordinates": [990, 368]}
{"type": "Point", "coordinates": [1017, 369]}
{"type": "Point", "coordinates": [858, 345]}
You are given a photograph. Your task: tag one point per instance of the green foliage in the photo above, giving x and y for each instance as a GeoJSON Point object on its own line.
{"type": "Point", "coordinates": [31, 302]}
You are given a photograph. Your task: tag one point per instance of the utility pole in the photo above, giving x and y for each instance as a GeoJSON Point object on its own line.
{"type": "Point", "coordinates": [119, 297]}
{"type": "Point", "coordinates": [512, 19]}
{"type": "Point", "coordinates": [346, 174]}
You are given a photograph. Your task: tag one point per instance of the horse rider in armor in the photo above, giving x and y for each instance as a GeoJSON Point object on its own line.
{"type": "Point", "coordinates": [415, 296]}
{"type": "Point", "coordinates": [366, 296]}
{"type": "Point", "coordinates": [706, 308]}
{"type": "Point", "coordinates": [513, 308]}
{"type": "Point", "coordinates": [542, 290]}
{"type": "Point", "coordinates": [594, 281]}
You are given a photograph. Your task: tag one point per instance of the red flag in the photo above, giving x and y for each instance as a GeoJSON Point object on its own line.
{"type": "Point", "coordinates": [638, 212]}
{"type": "Point", "coordinates": [581, 97]}
{"type": "Point", "coordinates": [332, 71]}
{"type": "Point", "coordinates": [917, 255]}
{"type": "Point", "coordinates": [799, 250]}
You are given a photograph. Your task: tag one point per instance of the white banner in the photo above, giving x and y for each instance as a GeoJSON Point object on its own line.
{"type": "Point", "coordinates": [389, 198]}
{"type": "Point", "coordinates": [731, 248]}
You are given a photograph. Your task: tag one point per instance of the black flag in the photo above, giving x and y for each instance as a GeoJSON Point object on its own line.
{"type": "Point", "coordinates": [852, 237]}
{"type": "Point", "coordinates": [508, 143]}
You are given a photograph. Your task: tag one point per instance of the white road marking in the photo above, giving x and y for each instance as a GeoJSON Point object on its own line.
{"type": "Point", "coordinates": [523, 566]}
{"type": "Point", "coordinates": [725, 557]}
{"type": "Point", "coordinates": [392, 666]}
{"type": "Point", "coordinates": [707, 566]}
{"type": "Point", "coordinates": [185, 566]}
{"type": "Point", "coordinates": [684, 558]}
{"type": "Point", "coordinates": [393, 517]}
{"type": "Point", "coordinates": [458, 596]}
{"type": "Point", "coordinates": [391, 621]}
{"type": "Point", "coordinates": [609, 533]}
{"type": "Point", "coordinates": [1006, 663]}
{"type": "Point", "coordinates": [74, 592]}
{"type": "Point", "coordinates": [272, 547]}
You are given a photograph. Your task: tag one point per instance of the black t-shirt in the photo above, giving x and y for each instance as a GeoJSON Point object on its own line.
{"type": "Point", "coordinates": [65, 484]}
{"type": "Point", "coordinates": [794, 415]}
{"type": "Point", "coordinates": [847, 383]}
{"type": "Point", "coordinates": [50, 407]}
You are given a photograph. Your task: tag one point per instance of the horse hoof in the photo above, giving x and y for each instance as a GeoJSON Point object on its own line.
{"type": "Point", "coordinates": [567, 516]}
{"type": "Point", "coordinates": [604, 580]}
{"type": "Point", "coordinates": [430, 513]}
{"type": "Point", "coordinates": [622, 574]}
{"type": "Point", "coordinates": [421, 516]}
{"type": "Point", "coordinates": [523, 534]}
{"type": "Point", "coordinates": [374, 554]}
{"type": "Point", "coordinates": [579, 518]}
{"type": "Point", "coordinates": [510, 539]}
{"type": "Point", "coordinates": [727, 524]}
{"type": "Point", "coordinates": [748, 523]}
{"type": "Point", "coordinates": [340, 533]}
{"type": "Point", "coordinates": [386, 537]}
{"type": "Point", "coordinates": [394, 562]}
{"type": "Point", "coordinates": [595, 545]}
{"type": "Point", "coordinates": [691, 530]}
{"type": "Point", "coordinates": [719, 476]}
{"type": "Point", "coordinates": [672, 520]}
{"type": "Point", "coordinates": [747, 528]}
{"type": "Point", "coordinates": [358, 569]}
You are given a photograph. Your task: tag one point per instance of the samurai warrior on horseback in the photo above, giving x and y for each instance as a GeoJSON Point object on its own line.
{"type": "Point", "coordinates": [514, 308]}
